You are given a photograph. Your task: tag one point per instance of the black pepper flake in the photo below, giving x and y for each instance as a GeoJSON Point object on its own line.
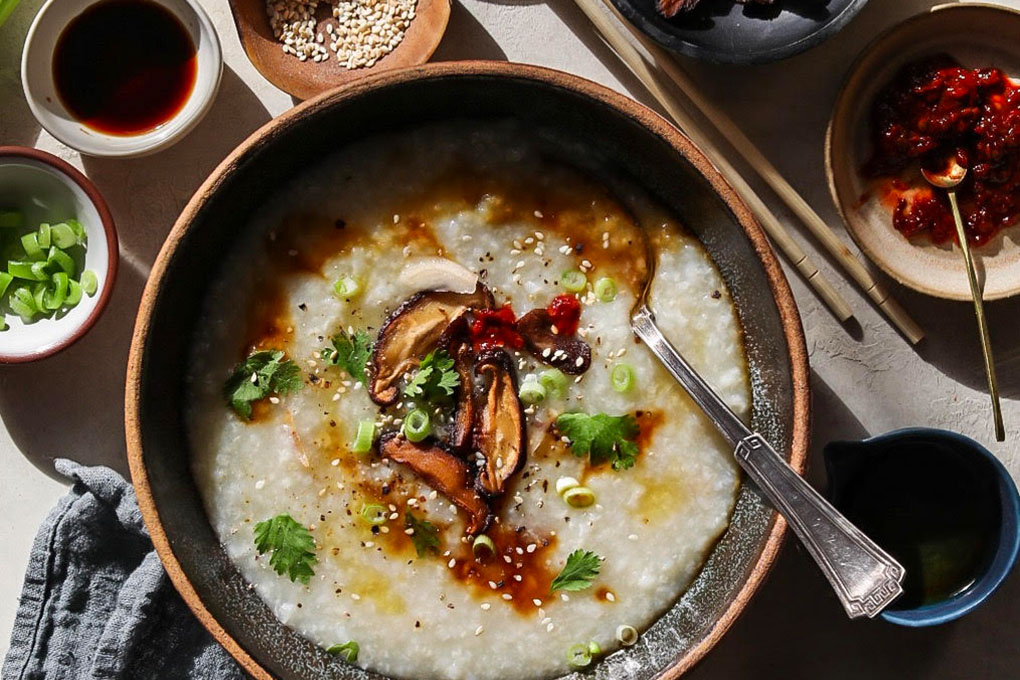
{"type": "Point", "coordinates": [375, 530]}
{"type": "Point", "coordinates": [332, 423]}
{"type": "Point", "coordinates": [716, 295]}
{"type": "Point", "coordinates": [578, 248]}
{"type": "Point", "coordinates": [417, 624]}
{"type": "Point", "coordinates": [303, 307]}
{"type": "Point", "coordinates": [340, 224]}
{"type": "Point", "coordinates": [385, 489]}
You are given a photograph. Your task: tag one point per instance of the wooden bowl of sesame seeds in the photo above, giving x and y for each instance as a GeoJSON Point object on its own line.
{"type": "Point", "coordinates": [305, 47]}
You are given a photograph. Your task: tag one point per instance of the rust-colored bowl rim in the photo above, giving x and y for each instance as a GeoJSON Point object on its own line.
{"type": "Point", "coordinates": [62, 167]}
{"type": "Point", "coordinates": [778, 284]}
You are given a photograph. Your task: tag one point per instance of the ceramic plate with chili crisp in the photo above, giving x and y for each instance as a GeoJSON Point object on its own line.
{"type": "Point", "coordinates": [942, 84]}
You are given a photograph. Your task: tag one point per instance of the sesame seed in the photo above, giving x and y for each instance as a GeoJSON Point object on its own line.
{"type": "Point", "coordinates": [486, 606]}
{"type": "Point", "coordinates": [479, 630]}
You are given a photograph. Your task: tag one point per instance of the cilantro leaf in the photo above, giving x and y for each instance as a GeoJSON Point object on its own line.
{"type": "Point", "coordinates": [578, 573]}
{"type": "Point", "coordinates": [435, 378]}
{"type": "Point", "coordinates": [424, 534]}
{"type": "Point", "coordinates": [601, 437]}
{"type": "Point", "coordinates": [348, 650]}
{"type": "Point", "coordinates": [263, 373]}
{"type": "Point", "coordinates": [350, 352]}
{"type": "Point", "coordinates": [292, 546]}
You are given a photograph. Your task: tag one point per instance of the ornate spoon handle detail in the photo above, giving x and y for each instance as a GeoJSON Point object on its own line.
{"type": "Point", "coordinates": [864, 576]}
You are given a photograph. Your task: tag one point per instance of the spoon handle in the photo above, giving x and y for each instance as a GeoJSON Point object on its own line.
{"type": "Point", "coordinates": [979, 310]}
{"type": "Point", "coordinates": [864, 576]}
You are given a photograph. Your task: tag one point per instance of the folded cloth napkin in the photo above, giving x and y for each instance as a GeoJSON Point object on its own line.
{"type": "Point", "coordinates": [97, 604]}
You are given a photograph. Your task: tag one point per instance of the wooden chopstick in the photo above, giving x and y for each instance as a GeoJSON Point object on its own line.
{"type": "Point", "coordinates": [773, 227]}
{"type": "Point", "coordinates": [764, 167]}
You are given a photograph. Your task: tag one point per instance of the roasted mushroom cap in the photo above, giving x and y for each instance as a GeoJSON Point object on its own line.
{"type": "Point", "coordinates": [463, 360]}
{"type": "Point", "coordinates": [569, 354]}
{"type": "Point", "coordinates": [443, 471]}
{"type": "Point", "coordinates": [413, 330]}
{"type": "Point", "coordinates": [499, 428]}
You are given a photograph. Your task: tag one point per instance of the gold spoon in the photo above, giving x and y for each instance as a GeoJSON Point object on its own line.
{"type": "Point", "coordinates": [948, 179]}
{"type": "Point", "coordinates": [865, 577]}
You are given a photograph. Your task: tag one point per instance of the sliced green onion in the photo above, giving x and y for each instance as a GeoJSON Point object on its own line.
{"type": "Point", "coordinates": [56, 294]}
{"type": "Point", "coordinates": [554, 381]}
{"type": "Point", "coordinates": [22, 270]}
{"type": "Point", "coordinates": [89, 282]}
{"type": "Point", "coordinates": [593, 648]}
{"type": "Point", "coordinates": [11, 219]}
{"type": "Point", "coordinates": [622, 377]}
{"type": "Point", "coordinates": [573, 280]}
{"type": "Point", "coordinates": [22, 303]}
{"type": "Point", "coordinates": [578, 656]}
{"type": "Point", "coordinates": [61, 259]}
{"type": "Point", "coordinates": [483, 547]}
{"type": "Point", "coordinates": [627, 635]}
{"type": "Point", "coordinates": [579, 497]}
{"type": "Point", "coordinates": [63, 236]}
{"type": "Point", "coordinates": [44, 236]}
{"type": "Point", "coordinates": [564, 484]}
{"type": "Point", "coordinates": [39, 270]}
{"type": "Point", "coordinates": [366, 435]}
{"type": "Point", "coordinates": [346, 287]}
{"type": "Point", "coordinates": [79, 232]}
{"type": "Point", "coordinates": [3, 323]}
{"type": "Point", "coordinates": [39, 295]}
{"type": "Point", "coordinates": [373, 513]}
{"type": "Point", "coordinates": [5, 281]}
{"type": "Point", "coordinates": [532, 391]}
{"type": "Point", "coordinates": [417, 425]}
{"type": "Point", "coordinates": [30, 242]}
{"type": "Point", "coordinates": [605, 289]}
{"type": "Point", "coordinates": [348, 650]}
{"type": "Point", "coordinates": [73, 293]}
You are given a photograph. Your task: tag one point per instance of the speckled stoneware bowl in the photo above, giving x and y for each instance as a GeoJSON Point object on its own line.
{"type": "Point", "coordinates": [580, 122]}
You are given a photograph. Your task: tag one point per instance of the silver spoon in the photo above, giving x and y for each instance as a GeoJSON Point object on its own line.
{"type": "Point", "coordinates": [865, 577]}
{"type": "Point", "coordinates": [949, 178]}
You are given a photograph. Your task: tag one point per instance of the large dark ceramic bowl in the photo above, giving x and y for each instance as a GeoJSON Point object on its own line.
{"type": "Point", "coordinates": [579, 122]}
{"type": "Point", "coordinates": [728, 32]}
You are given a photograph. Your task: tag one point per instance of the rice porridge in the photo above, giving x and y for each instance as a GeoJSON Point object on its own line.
{"type": "Point", "coordinates": [420, 423]}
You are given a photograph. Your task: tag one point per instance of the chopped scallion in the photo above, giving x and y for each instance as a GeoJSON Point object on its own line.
{"type": "Point", "coordinates": [483, 547]}
{"type": "Point", "coordinates": [44, 236]}
{"type": "Point", "coordinates": [348, 651]}
{"type": "Point", "coordinates": [21, 270]}
{"type": "Point", "coordinates": [579, 656]}
{"type": "Point", "coordinates": [564, 484]}
{"type": "Point", "coordinates": [73, 293]}
{"type": "Point", "coordinates": [532, 391]}
{"type": "Point", "coordinates": [622, 377]}
{"type": "Point", "coordinates": [63, 236]}
{"type": "Point", "coordinates": [366, 436]}
{"type": "Point", "coordinates": [22, 303]}
{"type": "Point", "coordinates": [89, 282]}
{"type": "Point", "coordinates": [58, 257]}
{"type": "Point", "coordinates": [373, 513]}
{"type": "Point", "coordinates": [574, 281]}
{"type": "Point", "coordinates": [5, 281]}
{"type": "Point", "coordinates": [56, 294]}
{"type": "Point", "coordinates": [417, 425]}
{"type": "Point", "coordinates": [554, 381]}
{"type": "Point", "coordinates": [594, 648]}
{"type": "Point", "coordinates": [30, 242]}
{"type": "Point", "coordinates": [579, 497]}
{"type": "Point", "coordinates": [346, 287]}
{"type": "Point", "coordinates": [605, 289]}
{"type": "Point", "coordinates": [627, 635]}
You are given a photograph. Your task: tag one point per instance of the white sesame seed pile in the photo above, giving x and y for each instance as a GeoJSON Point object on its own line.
{"type": "Point", "coordinates": [365, 30]}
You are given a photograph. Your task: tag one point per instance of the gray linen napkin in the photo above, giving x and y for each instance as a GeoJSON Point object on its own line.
{"type": "Point", "coordinates": [97, 604]}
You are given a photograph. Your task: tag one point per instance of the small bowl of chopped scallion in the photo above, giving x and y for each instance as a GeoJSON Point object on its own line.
{"type": "Point", "coordinates": [58, 254]}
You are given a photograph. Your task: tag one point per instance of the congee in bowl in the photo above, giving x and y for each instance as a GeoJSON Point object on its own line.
{"type": "Point", "coordinates": [417, 411]}
{"type": "Point", "coordinates": [386, 417]}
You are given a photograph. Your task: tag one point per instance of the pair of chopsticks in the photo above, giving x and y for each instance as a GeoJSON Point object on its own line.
{"type": "Point", "coordinates": [773, 227]}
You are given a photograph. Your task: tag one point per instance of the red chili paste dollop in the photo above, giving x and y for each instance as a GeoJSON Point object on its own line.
{"type": "Point", "coordinates": [932, 111]}
{"type": "Point", "coordinates": [495, 328]}
{"type": "Point", "coordinates": [565, 312]}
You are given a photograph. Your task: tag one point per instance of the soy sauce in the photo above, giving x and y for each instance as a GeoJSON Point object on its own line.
{"type": "Point", "coordinates": [936, 509]}
{"type": "Point", "coordinates": [124, 67]}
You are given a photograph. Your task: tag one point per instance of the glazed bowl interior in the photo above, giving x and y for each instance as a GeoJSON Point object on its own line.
{"type": "Point", "coordinates": [577, 122]}
{"type": "Point", "coordinates": [976, 35]}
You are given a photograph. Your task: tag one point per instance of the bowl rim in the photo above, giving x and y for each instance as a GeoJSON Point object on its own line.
{"type": "Point", "coordinates": [101, 150]}
{"type": "Point", "coordinates": [641, 115]}
{"type": "Point", "coordinates": [853, 71]}
{"type": "Point", "coordinates": [61, 167]}
{"type": "Point", "coordinates": [714, 56]}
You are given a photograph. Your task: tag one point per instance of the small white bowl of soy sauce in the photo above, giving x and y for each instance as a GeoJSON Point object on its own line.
{"type": "Point", "coordinates": [121, 78]}
{"type": "Point", "coordinates": [942, 505]}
